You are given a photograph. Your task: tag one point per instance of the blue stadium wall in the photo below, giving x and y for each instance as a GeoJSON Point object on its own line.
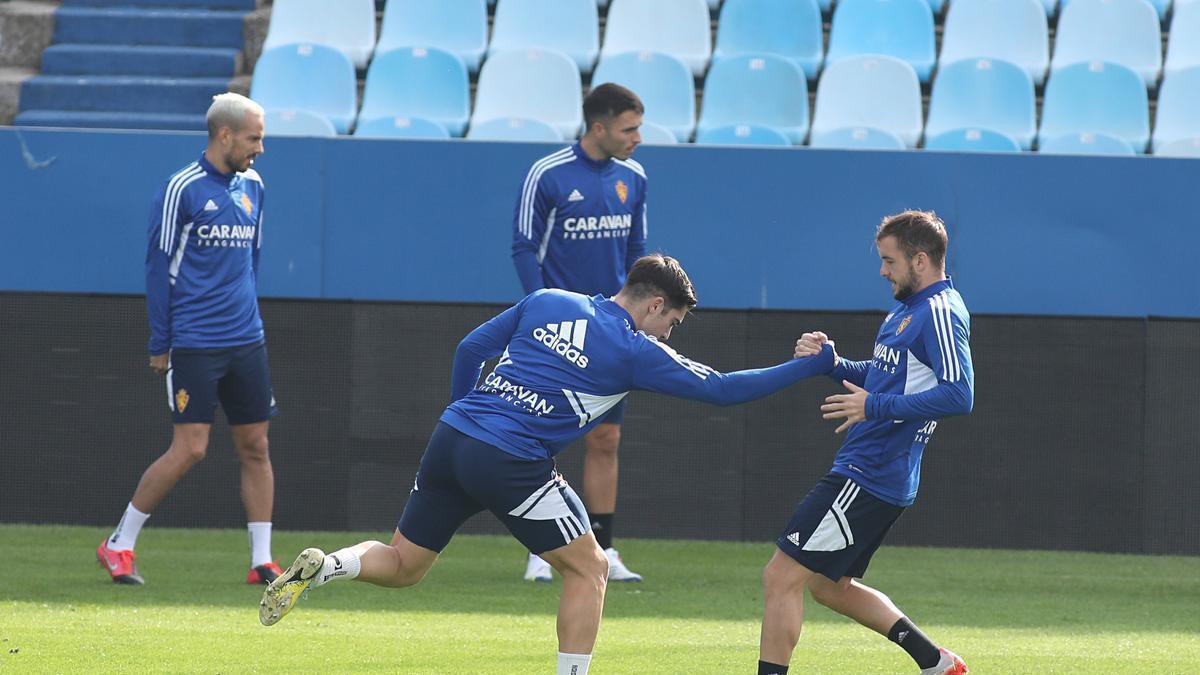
{"type": "Point", "coordinates": [352, 218]}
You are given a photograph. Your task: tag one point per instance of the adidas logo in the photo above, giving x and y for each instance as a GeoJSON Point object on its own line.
{"type": "Point", "coordinates": [566, 339]}
{"type": "Point", "coordinates": [794, 538]}
{"type": "Point", "coordinates": [575, 196]}
{"type": "Point", "coordinates": [900, 637]}
{"type": "Point", "coordinates": [210, 206]}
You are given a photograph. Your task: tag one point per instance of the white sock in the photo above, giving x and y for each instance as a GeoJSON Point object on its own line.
{"type": "Point", "coordinates": [573, 664]}
{"type": "Point", "coordinates": [260, 543]}
{"type": "Point", "coordinates": [124, 538]}
{"type": "Point", "coordinates": [341, 564]}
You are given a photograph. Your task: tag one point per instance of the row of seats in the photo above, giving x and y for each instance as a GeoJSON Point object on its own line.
{"type": "Point", "coordinates": [1013, 30]}
{"type": "Point", "coordinates": [763, 98]}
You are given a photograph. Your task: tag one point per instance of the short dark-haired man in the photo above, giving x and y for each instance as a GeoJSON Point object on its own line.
{"type": "Point", "coordinates": [921, 372]}
{"type": "Point", "coordinates": [580, 224]}
{"type": "Point", "coordinates": [565, 360]}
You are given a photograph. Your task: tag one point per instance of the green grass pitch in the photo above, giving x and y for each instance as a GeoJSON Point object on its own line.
{"type": "Point", "coordinates": [1015, 612]}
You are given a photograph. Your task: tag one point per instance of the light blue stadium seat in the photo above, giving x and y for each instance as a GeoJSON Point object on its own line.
{"type": "Point", "coordinates": [537, 84]}
{"type": "Point", "coordinates": [681, 28]}
{"type": "Point", "coordinates": [742, 134]}
{"type": "Point", "coordinates": [663, 82]}
{"type": "Point", "coordinates": [309, 77]}
{"type": "Point", "coordinates": [348, 25]}
{"type": "Point", "coordinates": [457, 26]}
{"type": "Point", "coordinates": [787, 28]}
{"type": "Point", "coordinates": [1160, 6]}
{"type": "Point", "coordinates": [764, 90]}
{"type": "Point", "coordinates": [1183, 48]}
{"type": "Point", "coordinates": [1013, 30]}
{"type": "Point", "coordinates": [987, 93]}
{"type": "Point", "coordinates": [513, 129]}
{"type": "Point", "coordinates": [857, 138]}
{"type": "Point", "coordinates": [879, 92]}
{"type": "Point", "coordinates": [972, 140]}
{"type": "Point", "coordinates": [297, 123]}
{"type": "Point", "coordinates": [1177, 114]}
{"type": "Point", "coordinates": [1086, 143]}
{"type": "Point", "coordinates": [1184, 147]}
{"type": "Point", "coordinates": [400, 127]}
{"type": "Point", "coordinates": [1097, 98]}
{"type": "Point", "coordinates": [569, 26]}
{"type": "Point", "coordinates": [1129, 30]}
{"type": "Point", "coordinates": [418, 82]}
{"type": "Point", "coordinates": [899, 28]}
{"type": "Point", "coordinates": [656, 134]}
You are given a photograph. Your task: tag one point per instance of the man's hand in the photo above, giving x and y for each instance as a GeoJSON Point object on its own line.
{"type": "Point", "coordinates": [810, 344]}
{"type": "Point", "coordinates": [158, 363]}
{"type": "Point", "coordinates": [851, 407]}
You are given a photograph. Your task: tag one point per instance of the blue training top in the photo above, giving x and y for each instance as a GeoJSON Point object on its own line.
{"type": "Point", "coordinates": [202, 259]}
{"type": "Point", "coordinates": [579, 224]}
{"type": "Point", "coordinates": [566, 359]}
{"type": "Point", "coordinates": [921, 372]}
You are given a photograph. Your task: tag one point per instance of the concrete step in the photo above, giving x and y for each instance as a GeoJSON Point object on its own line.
{"type": "Point", "coordinates": [132, 26]}
{"type": "Point", "coordinates": [110, 120]}
{"type": "Point", "coordinates": [72, 59]}
{"type": "Point", "coordinates": [121, 93]}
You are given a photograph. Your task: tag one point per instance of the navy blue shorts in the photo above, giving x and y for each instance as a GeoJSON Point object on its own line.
{"type": "Point", "coordinates": [237, 377]}
{"type": "Point", "coordinates": [615, 414]}
{"type": "Point", "coordinates": [461, 476]}
{"type": "Point", "coordinates": [837, 527]}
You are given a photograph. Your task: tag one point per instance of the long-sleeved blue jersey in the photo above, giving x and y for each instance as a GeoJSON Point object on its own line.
{"type": "Point", "coordinates": [920, 372]}
{"type": "Point", "coordinates": [579, 224]}
{"type": "Point", "coordinates": [202, 259]}
{"type": "Point", "coordinates": [566, 359]}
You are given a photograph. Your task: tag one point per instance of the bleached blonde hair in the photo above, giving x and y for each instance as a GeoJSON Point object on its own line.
{"type": "Point", "coordinates": [229, 110]}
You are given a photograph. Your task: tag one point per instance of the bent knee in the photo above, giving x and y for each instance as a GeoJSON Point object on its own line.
{"type": "Point", "coordinates": [784, 575]}
{"type": "Point", "coordinates": [825, 591]}
{"type": "Point", "coordinates": [189, 451]}
{"type": "Point", "coordinates": [257, 449]}
{"type": "Point", "coordinates": [604, 438]}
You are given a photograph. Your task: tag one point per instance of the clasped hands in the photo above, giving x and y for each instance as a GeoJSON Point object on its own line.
{"type": "Point", "coordinates": [851, 407]}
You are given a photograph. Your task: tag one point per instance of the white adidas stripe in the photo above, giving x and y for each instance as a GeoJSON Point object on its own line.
{"type": "Point", "coordinates": [525, 213]}
{"type": "Point", "coordinates": [170, 208]}
{"type": "Point", "coordinates": [632, 165]}
{"type": "Point", "coordinates": [944, 329]}
{"type": "Point", "coordinates": [541, 254]}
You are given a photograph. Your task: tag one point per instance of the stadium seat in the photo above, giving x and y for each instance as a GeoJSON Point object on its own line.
{"type": "Point", "coordinates": [1160, 6]}
{"type": "Point", "coordinates": [1129, 30]}
{"type": "Point", "coordinates": [534, 84]}
{"type": "Point", "coordinates": [348, 25]}
{"type": "Point", "coordinates": [663, 82]}
{"type": "Point", "coordinates": [742, 134]}
{"type": "Point", "coordinates": [857, 138]}
{"type": "Point", "coordinates": [401, 127]}
{"type": "Point", "coordinates": [297, 123]}
{"type": "Point", "coordinates": [569, 26]}
{"type": "Point", "coordinates": [457, 26]}
{"type": "Point", "coordinates": [1177, 114]}
{"type": "Point", "coordinates": [764, 90]}
{"type": "Point", "coordinates": [657, 134]}
{"type": "Point", "coordinates": [513, 129]}
{"type": "Point", "coordinates": [1183, 48]}
{"type": "Point", "coordinates": [418, 82]}
{"type": "Point", "coordinates": [1086, 143]}
{"type": "Point", "coordinates": [899, 28]}
{"type": "Point", "coordinates": [879, 92]}
{"type": "Point", "coordinates": [972, 140]}
{"type": "Point", "coordinates": [309, 77]}
{"type": "Point", "coordinates": [1185, 147]}
{"type": "Point", "coordinates": [986, 93]}
{"type": "Point", "coordinates": [681, 28]}
{"type": "Point", "coordinates": [1097, 98]}
{"type": "Point", "coordinates": [787, 28]}
{"type": "Point", "coordinates": [1013, 30]}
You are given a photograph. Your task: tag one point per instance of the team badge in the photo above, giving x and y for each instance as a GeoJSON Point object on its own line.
{"type": "Point", "coordinates": [247, 206]}
{"type": "Point", "coordinates": [181, 400]}
{"type": "Point", "coordinates": [622, 191]}
{"type": "Point", "coordinates": [903, 324]}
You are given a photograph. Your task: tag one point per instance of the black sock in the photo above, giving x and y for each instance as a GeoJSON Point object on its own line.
{"type": "Point", "coordinates": [913, 641]}
{"type": "Point", "coordinates": [602, 528]}
{"type": "Point", "coordinates": [765, 668]}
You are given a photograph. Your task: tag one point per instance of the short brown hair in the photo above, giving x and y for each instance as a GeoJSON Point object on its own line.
{"type": "Point", "coordinates": [661, 275]}
{"type": "Point", "coordinates": [607, 101]}
{"type": "Point", "coordinates": [917, 231]}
